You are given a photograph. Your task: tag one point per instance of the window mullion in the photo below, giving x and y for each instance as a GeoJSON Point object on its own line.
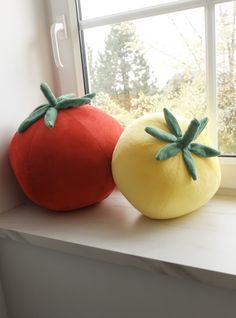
{"type": "Point", "coordinates": [211, 67]}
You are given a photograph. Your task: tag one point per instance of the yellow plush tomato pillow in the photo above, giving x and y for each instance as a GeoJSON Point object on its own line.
{"type": "Point", "coordinates": [165, 166]}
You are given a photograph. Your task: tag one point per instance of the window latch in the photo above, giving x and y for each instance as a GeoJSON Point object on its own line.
{"type": "Point", "coordinates": [58, 32]}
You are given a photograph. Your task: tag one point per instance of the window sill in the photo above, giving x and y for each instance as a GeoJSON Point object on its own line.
{"type": "Point", "coordinates": [199, 246]}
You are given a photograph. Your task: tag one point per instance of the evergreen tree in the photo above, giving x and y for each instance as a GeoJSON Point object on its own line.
{"type": "Point", "coordinates": [122, 70]}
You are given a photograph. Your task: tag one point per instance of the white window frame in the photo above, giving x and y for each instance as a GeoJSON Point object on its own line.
{"type": "Point", "coordinates": [71, 77]}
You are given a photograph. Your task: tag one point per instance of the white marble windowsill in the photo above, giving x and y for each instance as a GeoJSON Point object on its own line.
{"type": "Point", "coordinates": [200, 246]}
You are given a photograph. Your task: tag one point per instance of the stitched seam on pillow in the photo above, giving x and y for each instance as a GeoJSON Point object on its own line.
{"type": "Point", "coordinates": [172, 187]}
{"type": "Point", "coordinates": [88, 131]}
{"type": "Point", "coordinates": [106, 157]}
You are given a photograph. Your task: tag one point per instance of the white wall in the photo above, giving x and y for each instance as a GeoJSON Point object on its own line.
{"type": "Point", "coordinates": [25, 61]}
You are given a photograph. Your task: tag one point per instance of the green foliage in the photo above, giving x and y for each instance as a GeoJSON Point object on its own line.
{"type": "Point", "coordinates": [185, 94]}
{"type": "Point", "coordinates": [105, 103]}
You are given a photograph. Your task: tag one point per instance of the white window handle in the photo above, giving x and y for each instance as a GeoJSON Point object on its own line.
{"type": "Point", "coordinates": [58, 31]}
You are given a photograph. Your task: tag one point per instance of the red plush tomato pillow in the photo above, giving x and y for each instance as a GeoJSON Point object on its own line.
{"type": "Point", "coordinates": [61, 154]}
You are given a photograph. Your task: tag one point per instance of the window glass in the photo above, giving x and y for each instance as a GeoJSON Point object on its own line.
{"type": "Point", "coordinates": [92, 8]}
{"type": "Point", "coordinates": [226, 75]}
{"type": "Point", "coordinates": [145, 65]}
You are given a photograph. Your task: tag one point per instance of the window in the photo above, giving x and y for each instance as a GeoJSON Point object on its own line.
{"type": "Point", "coordinates": [140, 56]}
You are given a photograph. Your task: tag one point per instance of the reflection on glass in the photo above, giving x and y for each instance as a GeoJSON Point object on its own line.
{"type": "Point", "coordinates": [145, 65]}
{"type": "Point", "coordinates": [226, 75]}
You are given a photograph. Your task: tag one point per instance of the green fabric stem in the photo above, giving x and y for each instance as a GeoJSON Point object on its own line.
{"type": "Point", "coordinates": [50, 117]}
{"type": "Point", "coordinates": [48, 94]}
{"type": "Point", "coordinates": [50, 110]}
{"type": "Point", "coordinates": [203, 122]}
{"type": "Point", "coordinates": [72, 102]}
{"type": "Point", "coordinates": [41, 106]}
{"type": "Point", "coordinates": [33, 117]}
{"type": "Point", "coordinates": [168, 151]}
{"type": "Point", "coordinates": [189, 163]}
{"type": "Point", "coordinates": [160, 134]}
{"type": "Point", "coordinates": [203, 151]}
{"type": "Point", "coordinates": [181, 143]}
{"type": "Point", "coordinates": [190, 133]}
{"type": "Point", "coordinates": [172, 123]}
{"type": "Point", "coordinates": [90, 95]}
{"type": "Point", "coordinates": [62, 97]}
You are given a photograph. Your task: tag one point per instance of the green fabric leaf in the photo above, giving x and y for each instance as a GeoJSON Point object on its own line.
{"type": "Point", "coordinates": [48, 94]}
{"type": "Point", "coordinates": [168, 151]}
{"type": "Point", "coordinates": [190, 133]}
{"type": "Point", "coordinates": [62, 97]}
{"type": "Point", "coordinates": [189, 163]}
{"type": "Point", "coordinates": [41, 106]}
{"type": "Point", "coordinates": [172, 123]}
{"type": "Point", "coordinates": [72, 102]}
{"type": "Point", "coordinates": [160, 134]}
{"type": "Point", "coordinates": [91, 95]}
{"type": "Point", "coordinates": [72, 95]}
{"type": "Point", "coordinates": [54, 104]}
{"type": "Point", "coordinates": [203, 151]}
{"type": "Point", "coordinates": [203, 122]}
{"type": "Point", "coordinates": [50, 117]}
{"type": "Point", "coordinates": [33, 117]}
